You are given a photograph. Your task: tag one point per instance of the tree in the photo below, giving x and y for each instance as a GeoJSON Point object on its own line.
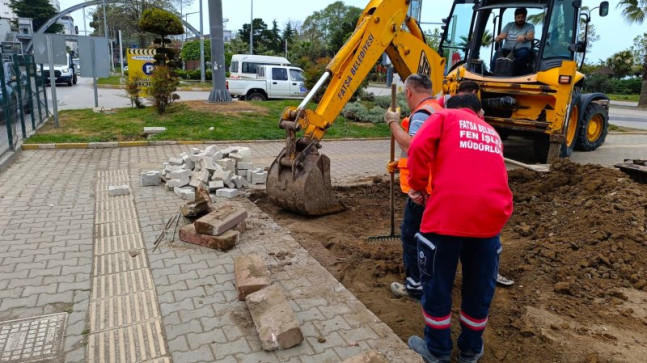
{"type": "Point", "coordinates": [260, 31]}
{"type": "Point", "coordinates": [162, 23]}
{"type": "Point", "coordinates": [327, 30]}
{"type": "Point", "coordinates": [125, 17]}
{"type": "Point", "coordinates": [634, 12]}
{"type": "Point", "coordinates": [39, 11]}
{"type": "Point", "coordinates": [621, 63]}
{"type": "Point", "coordinates": [639, 51]}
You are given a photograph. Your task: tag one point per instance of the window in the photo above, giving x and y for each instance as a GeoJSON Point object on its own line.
{"type": "Point", "coordinates": [234, 67]}
{"type": "Point", "coordinates": [561, 31]}
{"type": "Point", "coordinates": [249, 67]}
{"type": "Point", "coordinates": [279, 74]}
{"type": "Point", "coordinates": [296, 75]}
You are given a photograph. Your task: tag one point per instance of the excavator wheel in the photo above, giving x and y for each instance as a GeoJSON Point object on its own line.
{"type": "Point", "coordinates": [595, 125]}
{"type": "Point", "coordinates": [307, 192]}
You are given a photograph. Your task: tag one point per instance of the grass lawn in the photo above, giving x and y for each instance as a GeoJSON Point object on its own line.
{"type": "Point", "coordinates": [190, 121]}
{"type": "Point", "coordinates": [615, 97]}
{"type": "Point", "coordinates": [112, 80]}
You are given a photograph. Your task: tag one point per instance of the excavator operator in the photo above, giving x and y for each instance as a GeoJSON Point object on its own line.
{"type": "Point", "coordinates": [518, 36]}
{"type": "Point", "coordinates": [418, 91]}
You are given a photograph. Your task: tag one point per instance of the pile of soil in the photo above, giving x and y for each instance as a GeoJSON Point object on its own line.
{"type": "Point", "coordinates": [576, 246]}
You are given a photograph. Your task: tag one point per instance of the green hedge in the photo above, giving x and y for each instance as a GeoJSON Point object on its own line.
{"type": "Point", "coordinates": [195, 74]}
{"type": "Point", "coordinates": [608, 84]}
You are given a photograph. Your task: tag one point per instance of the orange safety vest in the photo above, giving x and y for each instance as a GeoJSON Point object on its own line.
{"type": "Point", "coordinates": [428, 106]}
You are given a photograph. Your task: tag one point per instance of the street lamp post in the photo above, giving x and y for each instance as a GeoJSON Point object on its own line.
{"type": "Point", "coordinates": [251, 30]}
{"type": "Point", "coordinates": [202, 75]}
{"type": "Point", "coordinates": [186, 20]}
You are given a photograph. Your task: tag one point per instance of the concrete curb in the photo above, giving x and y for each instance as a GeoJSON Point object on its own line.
{"type": "Point", "coordinates": [113, 144]}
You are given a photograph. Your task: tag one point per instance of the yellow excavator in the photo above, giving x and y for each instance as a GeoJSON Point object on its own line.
{"type": "Point", "coordinates": [544, 103]}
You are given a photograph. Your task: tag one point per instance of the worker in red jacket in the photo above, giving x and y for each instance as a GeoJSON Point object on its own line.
{"type": "Point", "coordinates": [463, 217]}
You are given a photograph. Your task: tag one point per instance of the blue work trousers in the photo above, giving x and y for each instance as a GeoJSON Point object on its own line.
{"type": "Point", "coordinates": [438, 258]}
{"type": "Point", "coordinates": [410, 226]}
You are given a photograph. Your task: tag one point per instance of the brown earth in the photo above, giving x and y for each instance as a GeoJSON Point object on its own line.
{"type": "Point", "coordinates": [576, 246]}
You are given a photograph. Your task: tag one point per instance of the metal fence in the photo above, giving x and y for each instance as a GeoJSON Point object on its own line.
{"type": "Point", "coordinates": [23, 100]}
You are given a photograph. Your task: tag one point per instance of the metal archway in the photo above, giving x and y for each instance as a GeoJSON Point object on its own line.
{"type": "Point", "coordinates": [74, 8]}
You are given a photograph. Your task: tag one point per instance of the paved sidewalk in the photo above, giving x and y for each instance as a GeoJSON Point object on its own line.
{"type": "Point", "coordinates": [56, 233]}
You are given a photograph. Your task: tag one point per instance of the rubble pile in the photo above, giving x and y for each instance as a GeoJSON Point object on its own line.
{"type": "Point", "coordinates": [224, 172]}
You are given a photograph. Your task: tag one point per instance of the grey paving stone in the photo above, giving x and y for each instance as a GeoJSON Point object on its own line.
{"type": "Point", "coordinates": [240, 345]}
{"type": "Point", "coordinates": [201, 354]}
{"type": "Point", "coordinates": [178, 344]}
{"type": "Point", "coordinates": [62, 297]}
{"type": "Point", "coordinates": [9, 303]}
{"type": "Point", "coordinates": [185, 304]}
{"type": "Point", "coordinates": [197, 313]}
{"type": "Point", "coordinates": [182, 277]}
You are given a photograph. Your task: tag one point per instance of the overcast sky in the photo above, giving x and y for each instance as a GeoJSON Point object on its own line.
{"type": "Point", "coordinates": [615, 34]}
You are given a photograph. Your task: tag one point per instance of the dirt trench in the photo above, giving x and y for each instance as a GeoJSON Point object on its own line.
{"type": "Point", "coordinates": [576, 246]}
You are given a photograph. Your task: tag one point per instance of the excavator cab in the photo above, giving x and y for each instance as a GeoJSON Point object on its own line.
{"type": "Point", "coordinates": [528, 88]}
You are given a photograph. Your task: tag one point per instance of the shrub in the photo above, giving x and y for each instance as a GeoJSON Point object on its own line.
{"type": "Point", "coordinates": [162, 88]}
{"type": "Point", "coordinates": [357, 112]}
{"type": "Point", "coordinates": [385, 102]}
{"type": "Point", "coordinates": [133, 89]}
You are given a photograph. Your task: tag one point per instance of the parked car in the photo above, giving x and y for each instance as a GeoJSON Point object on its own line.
{"type": "Point", "coordinates": [271, 82]}
{"type": "Point", "coordinates": [64, 73]}
{"type": "Point", "coordinates": [9, 96]}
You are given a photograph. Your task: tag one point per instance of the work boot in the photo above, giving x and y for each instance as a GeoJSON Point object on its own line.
{"type": "Point", "coordinates": [502, 280]}
{"type": "Point", "coordinates": [418, 345]}
{"type": "Point", "coordinates": [470, 357]}
{"type": "Point", "coordinates": [400, 290]}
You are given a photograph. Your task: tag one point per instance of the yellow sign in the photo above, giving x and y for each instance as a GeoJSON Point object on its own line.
{"type": "Point", "coordinates": [141, 63]}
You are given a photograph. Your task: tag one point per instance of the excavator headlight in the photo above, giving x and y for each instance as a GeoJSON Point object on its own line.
{"type": "Point", "coordinates": [564, 79]}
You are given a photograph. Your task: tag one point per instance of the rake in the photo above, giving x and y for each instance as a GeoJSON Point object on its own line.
{"type": "Point", "coordinates": [392, 236]}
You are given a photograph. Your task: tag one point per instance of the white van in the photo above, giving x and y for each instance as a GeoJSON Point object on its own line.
{"type": "Point", "coordinates": [246, 65]}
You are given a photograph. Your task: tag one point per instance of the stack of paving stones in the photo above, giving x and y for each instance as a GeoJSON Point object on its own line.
{"type": "Point", "coordinates": [274, 319]}
{"type": "Point", "coordinates": [224, 172]}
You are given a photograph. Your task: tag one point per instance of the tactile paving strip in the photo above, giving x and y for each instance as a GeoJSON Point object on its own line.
{"type": "Point", "coordinates": [33, 339]}
{"type": "Point", "coordinates": [125, 319]}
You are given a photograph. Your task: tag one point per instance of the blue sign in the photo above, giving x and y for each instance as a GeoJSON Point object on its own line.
{"type": "Point", "coordinates": [147, 68]}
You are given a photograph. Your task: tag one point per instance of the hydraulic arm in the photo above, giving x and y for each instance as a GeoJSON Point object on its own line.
{"type": "Point", "coordinates": [299, 178]}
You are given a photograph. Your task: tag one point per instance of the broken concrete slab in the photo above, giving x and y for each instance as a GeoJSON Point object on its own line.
{"type": "Point", "coordinates": [180, 174]}
{"type": "Point", "coordinates": [227, 164]}
{"type": "Point", "coordinates": [178, 183]}
{"type": "Point", "coordinates": [186, 193]}
{"type": "Point", "coordinates": [215, 185]}
{"type": "Point", "coordinates": [220, 220]}
{"type": "Point", "coordinates": [259, 177]}
{"type": "Point", "coordinates": [250, 274]}
{"type": "Point", "coordinates": [276, 323]}
{"type": "Point", "coordinates": [153, 130]}
{"type": "Point", "coordinates": [175, 161]}
{"type": "Point", "coordinates": [224, 175]}
{"type": "Point", "coordinates": [195, 209]}
{"type": "Point", "coordinates": [227, 192]}
{"type": "Point", "coordinates": [115, 190]}
{"type": "Point", "coordinates": [244, 165]}
{"type": "Point", "coordinates": [223, 242]}
{"type": "Point", "coordinates": [241, 153]}
{"type": "Point", "coordinates": [151, 178]}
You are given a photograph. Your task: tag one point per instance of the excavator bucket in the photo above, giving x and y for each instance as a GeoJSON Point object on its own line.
{"type": "Point", "coordinates": [307, 191]}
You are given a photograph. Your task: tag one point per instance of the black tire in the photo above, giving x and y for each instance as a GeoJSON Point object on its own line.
{"type": "Point", "coordinates": [256, 96]}
{"type": "Point", "coordinates": [74, 79]}
{"type": "Point", "coordinates": [594, 129]}
{"type": "Point", "coordinates": [69, 82]}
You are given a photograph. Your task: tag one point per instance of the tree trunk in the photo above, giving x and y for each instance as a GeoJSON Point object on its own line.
{"type": "Point", "coordinates": [642, 101]}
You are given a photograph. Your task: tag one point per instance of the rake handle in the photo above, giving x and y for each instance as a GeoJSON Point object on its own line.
{"type": "Point", "coordinates": [392, 176]}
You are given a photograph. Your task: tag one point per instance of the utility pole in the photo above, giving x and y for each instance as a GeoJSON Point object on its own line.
{"type": "Point", "coordinates": [105, 34]}
{"type": "Point", "coordinates": [219, 92]}
{"type": "Point", "coordinates": [202, 79]}
{"type": "Point", "coordinates": [251, 30]}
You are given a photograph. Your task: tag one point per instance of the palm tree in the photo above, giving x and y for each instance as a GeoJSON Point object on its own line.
{"type": "Point", "coordinates": [634, 11]}
{"type": "Point", "coordinates": [486, 40]}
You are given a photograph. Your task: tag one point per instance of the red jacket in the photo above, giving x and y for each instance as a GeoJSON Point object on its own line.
{"type": "Point", "coordinates": [471, 197]}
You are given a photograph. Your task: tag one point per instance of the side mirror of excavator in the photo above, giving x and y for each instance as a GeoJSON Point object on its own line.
{"type": "Point", "coordinates": [579, 47]}
{"type": "Point", "coordinates": [604, 8]}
